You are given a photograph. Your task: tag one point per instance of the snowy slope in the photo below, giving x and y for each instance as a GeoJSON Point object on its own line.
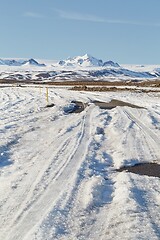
{"type": "Point", "coordinates": [77, 68]}
{"type": "Point", "coordinates": [58, 176]}
{"type": "Point", "coordinates": [86, 61]}
{"type": "Point", "coordinates": [20, 62]}
{"type": "Point", "coordinates": [33, 62]}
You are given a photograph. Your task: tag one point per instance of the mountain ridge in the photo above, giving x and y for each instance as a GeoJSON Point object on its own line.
{"type": "Point", "coordinates": [20, 62]}
{"type": "Point", "coordinates": [78, 67]}
{"type": "Point", "coordinates": [87, 60]}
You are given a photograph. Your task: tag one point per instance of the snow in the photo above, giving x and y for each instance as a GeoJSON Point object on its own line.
{"type": "Point", "coordinates": [78, 68]}
{"type": "Point", "coordinates": [58, 177]}
{"type": "Point", "coordinates": [53, 73]}
{"type": "Point", "coordinates": [84, 61]}
{"type": "Point", "coordinates": [19, 62]}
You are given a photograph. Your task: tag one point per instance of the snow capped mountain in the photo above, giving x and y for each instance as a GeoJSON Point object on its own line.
{"type": "Point", "coordinates": [87, 61]}
{"type": "Point", "coordinates": [33, 63]}
{"type": "Point", "coordinates": [20, 62]}
{"type": "Point", "coordinates": [11, 62]}
{"type": "Point", "coordinates": [84, 67]}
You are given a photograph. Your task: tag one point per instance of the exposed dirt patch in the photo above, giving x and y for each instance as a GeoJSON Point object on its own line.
{"type": "Point", "coordinates": [149, 169]}
{"type": "Point", "coordinates": [50, 105]}
{"type": "Point", "coordinates": [88, 85]}
{"type": "Point", "coordinates": [79, 106]}
{"type": "Point", "coordinates": [114, 103]}
{"type": "Point", "coordinates": [116, 88]}
{"type": "Point", "coordinates": [84, 83]}
{"type": "Point", "coordinates": [75, 107]}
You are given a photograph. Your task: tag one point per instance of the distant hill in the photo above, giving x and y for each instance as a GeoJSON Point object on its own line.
{"type": "Point", "coordinates": [19, 62]}
{"type": "Point", "coordinates": [87, 61]}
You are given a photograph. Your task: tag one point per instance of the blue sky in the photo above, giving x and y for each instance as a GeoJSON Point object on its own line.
{"type": "Point", "coordinates": [126, 31]}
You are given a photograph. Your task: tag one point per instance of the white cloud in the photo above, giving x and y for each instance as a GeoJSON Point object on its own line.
{"type": "Point", "coordinates": [79, 16]}
{"type": "Point", "coordinates": [33, 15]}
{"type": "Point", "coordinates": [133, 23]}
{"type": "Point", "coordinates": [92, 18]}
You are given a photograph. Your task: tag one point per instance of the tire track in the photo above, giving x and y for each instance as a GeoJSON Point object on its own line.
{"type": "Point", "coordinates": [39, 172]}
{"type": "Point", "coordinates": [142, 126]}
{"type": "Point", "coordinates": [56, 185]}
{"type": "Point", "coordinates": [152, 144]}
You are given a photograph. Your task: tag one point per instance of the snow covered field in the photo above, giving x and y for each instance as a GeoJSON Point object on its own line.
{"type": "Point", "coordinates": [58, 177]}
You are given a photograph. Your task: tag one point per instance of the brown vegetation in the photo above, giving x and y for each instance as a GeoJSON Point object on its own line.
{"type": "Point", "coordinates": [94, 85]}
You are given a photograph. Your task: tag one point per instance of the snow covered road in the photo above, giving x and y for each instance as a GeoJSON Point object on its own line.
{"type": "Point", "coordinates": [58, 177]}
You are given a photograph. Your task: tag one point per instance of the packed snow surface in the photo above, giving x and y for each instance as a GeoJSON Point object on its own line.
{"type": "Point", "coordinates": [58, 177]}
